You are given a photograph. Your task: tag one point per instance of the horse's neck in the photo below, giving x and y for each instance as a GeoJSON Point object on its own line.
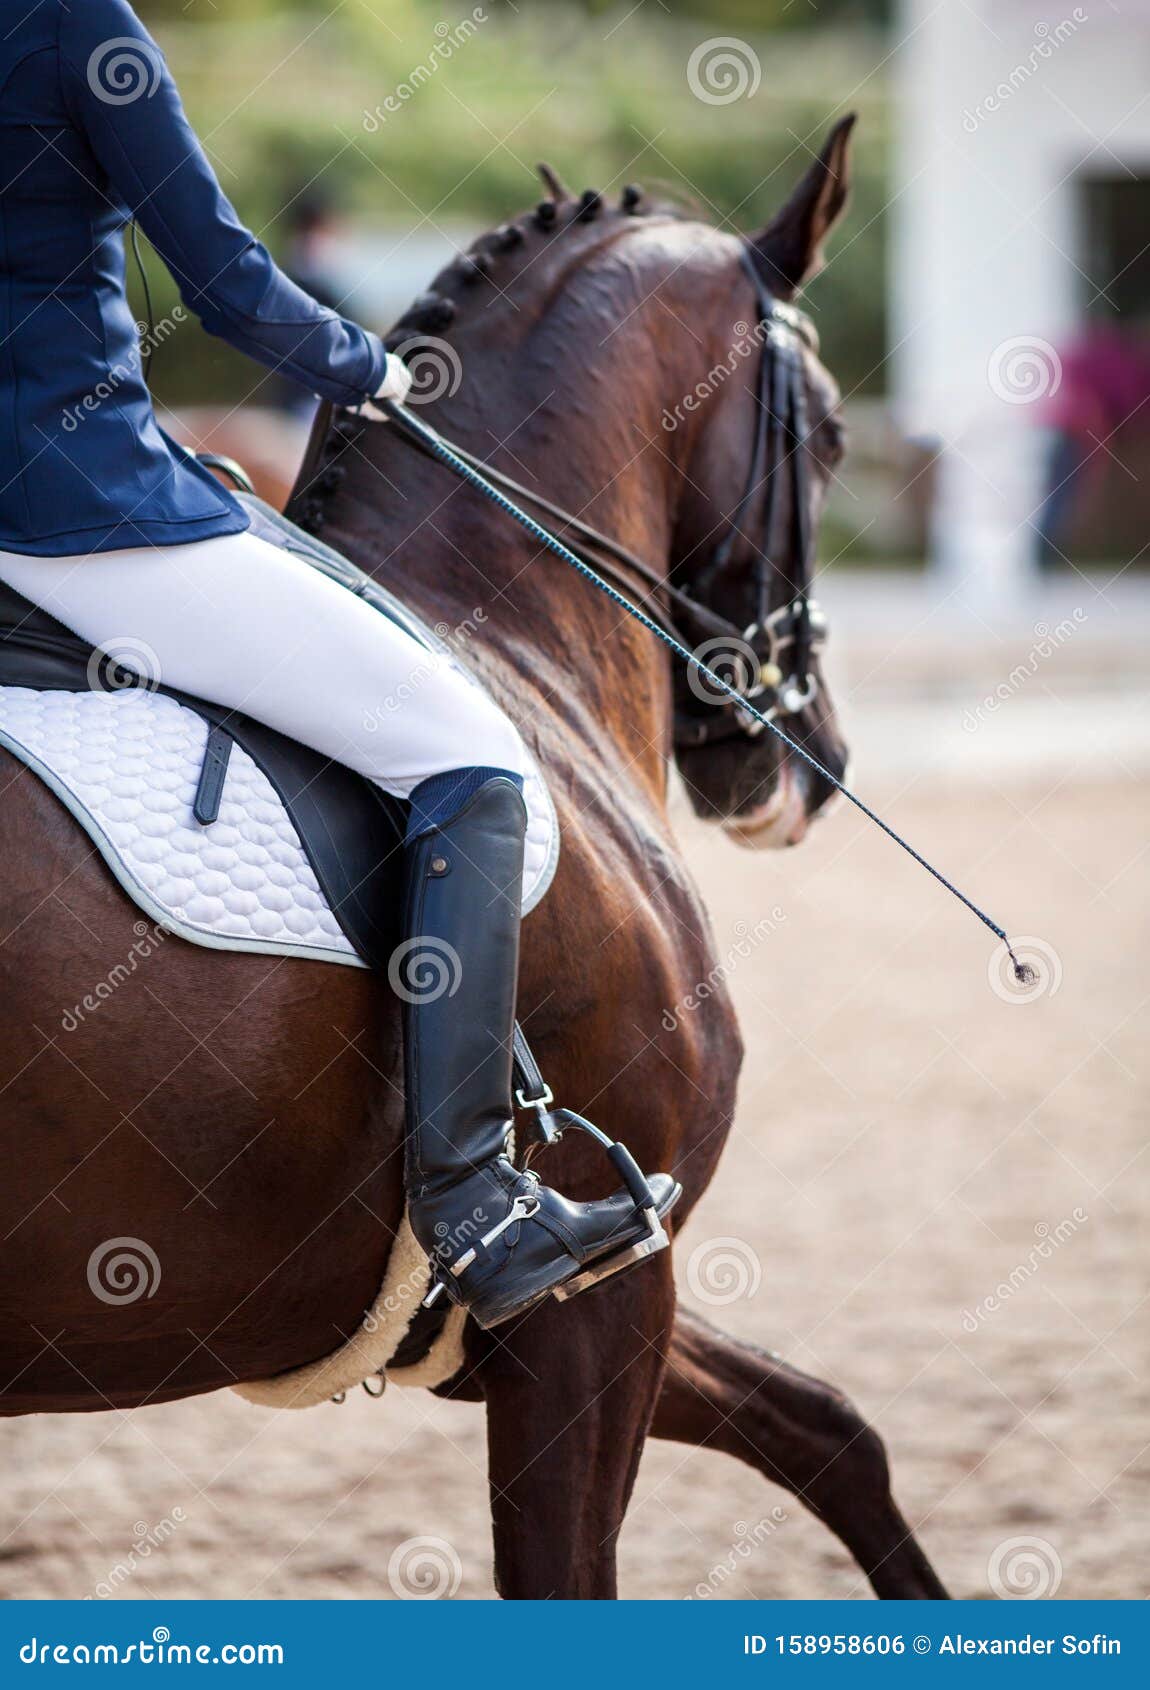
{"type": "Point", "coordinates": [550, 645]}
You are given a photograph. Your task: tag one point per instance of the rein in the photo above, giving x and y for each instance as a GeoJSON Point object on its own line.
{"type": "Point", "coordinates": [707, 622]}
{"type": "Point", "coordinates": [419, 434]}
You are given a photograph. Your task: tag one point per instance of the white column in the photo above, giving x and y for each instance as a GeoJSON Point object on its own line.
{"type": "Point", "coordinates": [983, 282]}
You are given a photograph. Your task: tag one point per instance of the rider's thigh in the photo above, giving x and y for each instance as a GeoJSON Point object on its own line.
{"type": "Point", "coordinates": [246, 625]}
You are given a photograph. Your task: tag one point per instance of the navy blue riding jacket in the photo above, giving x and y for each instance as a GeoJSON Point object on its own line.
{"type": "Point", "coordinates": [92, 132]}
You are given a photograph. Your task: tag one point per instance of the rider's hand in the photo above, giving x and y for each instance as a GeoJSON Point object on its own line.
{"type": "Point", "coordinates": [396, 385]}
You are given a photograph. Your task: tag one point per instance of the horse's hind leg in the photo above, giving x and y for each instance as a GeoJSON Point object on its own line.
{"type": "Point", "coordinates": [570, 1391]}
{"type": "Point", "coordinates": [799, 1433]}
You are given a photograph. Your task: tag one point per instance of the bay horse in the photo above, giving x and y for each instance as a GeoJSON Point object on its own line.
{"type": "Point", "coordinates": [242, 1115]}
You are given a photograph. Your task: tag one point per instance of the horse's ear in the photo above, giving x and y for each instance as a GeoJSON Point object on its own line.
{"type": "Point", "coordinates": [790, 248]}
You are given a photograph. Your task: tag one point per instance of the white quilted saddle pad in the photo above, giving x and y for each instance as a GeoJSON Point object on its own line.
{"type": "Point", "coordinates": [127, 763]}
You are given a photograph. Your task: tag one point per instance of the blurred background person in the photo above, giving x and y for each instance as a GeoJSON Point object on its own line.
{"type": "Point", "coordinates": [1100, 405]}
{"type": "Point", "coordinates": [312, 245]}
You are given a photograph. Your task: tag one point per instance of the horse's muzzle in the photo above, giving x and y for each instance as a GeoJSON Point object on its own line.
{"type": "Point", "coordinates": [782, 820]}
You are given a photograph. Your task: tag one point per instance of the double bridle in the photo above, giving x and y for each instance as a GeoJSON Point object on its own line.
{"type": "Point", "coordinates": [773, 661]}
{"type": "Point", "coordinates": [772, 656]}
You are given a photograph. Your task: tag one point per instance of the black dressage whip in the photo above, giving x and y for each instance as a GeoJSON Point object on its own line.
{"type": "Point", "coordinates": [439, 448]}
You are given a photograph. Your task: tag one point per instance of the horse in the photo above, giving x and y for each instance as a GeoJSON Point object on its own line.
{"type": "Point", "coordinates": [242, 1114]}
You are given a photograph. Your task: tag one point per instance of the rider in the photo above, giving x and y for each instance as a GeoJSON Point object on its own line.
{"type": "Point", "coordinates": [119, 533]}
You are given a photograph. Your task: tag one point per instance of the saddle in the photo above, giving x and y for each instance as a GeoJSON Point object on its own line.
{"type": "Point", "coordinates": [221, 829]}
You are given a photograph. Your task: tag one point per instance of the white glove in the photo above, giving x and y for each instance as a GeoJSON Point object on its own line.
{"type": "Point", "coordinates": [396, 385]}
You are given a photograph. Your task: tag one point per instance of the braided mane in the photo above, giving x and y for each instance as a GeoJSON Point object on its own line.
{"type": "Point", "coordinates": [434, 311]}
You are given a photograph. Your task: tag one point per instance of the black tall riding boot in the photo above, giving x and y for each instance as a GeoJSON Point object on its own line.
{"type": "Point", "coordinates": [497, 1238]}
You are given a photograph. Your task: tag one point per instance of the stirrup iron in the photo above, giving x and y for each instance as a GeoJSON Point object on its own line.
{"type": "Point", "coordinates": [533, 1093]}
{"type": "Point", "coordinates": [635, 1181]}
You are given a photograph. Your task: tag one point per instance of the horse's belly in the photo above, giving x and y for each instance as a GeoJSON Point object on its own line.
{"type": "Point", "coordinates": [199, 1175]}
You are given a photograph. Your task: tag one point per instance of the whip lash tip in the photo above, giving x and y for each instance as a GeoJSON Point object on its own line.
{"type": "Point", "coordinates": [1024, 974]}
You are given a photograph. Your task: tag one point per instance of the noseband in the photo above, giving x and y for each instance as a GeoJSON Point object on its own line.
{"type": "Point", "coordinates": [773, 655]}
{"type": "Point", "coordinates": [773, 659]}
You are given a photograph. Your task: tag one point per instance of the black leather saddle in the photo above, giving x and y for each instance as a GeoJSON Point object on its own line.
{"type": "Point", "coordinates": [351, 831]}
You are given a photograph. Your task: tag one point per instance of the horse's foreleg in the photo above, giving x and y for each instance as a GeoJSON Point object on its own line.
{"type": "Point", "coordinates": [570, 1391]}
{"type": "Point", "coordinates": [799, 1433]}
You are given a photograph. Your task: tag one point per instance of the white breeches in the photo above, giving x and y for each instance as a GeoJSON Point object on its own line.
{"type": "Point", "coordinates": [241, 623]}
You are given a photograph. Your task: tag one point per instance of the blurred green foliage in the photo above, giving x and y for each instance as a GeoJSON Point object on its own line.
{"type": "Point", "coordinates": [747, 14]}
{"type": "Point", "coordinates": [286, 96]}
